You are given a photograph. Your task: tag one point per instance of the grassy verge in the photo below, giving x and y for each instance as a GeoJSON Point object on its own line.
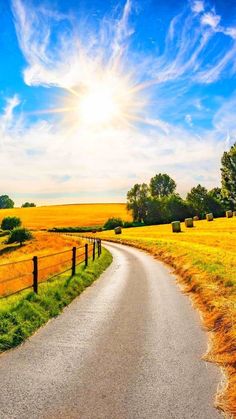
{"type": "Point", "coordinates": [204, 259]}
{"type": "Point", "coordinates": [22, 314]}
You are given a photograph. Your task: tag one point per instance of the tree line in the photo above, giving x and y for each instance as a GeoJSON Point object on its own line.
{"type": "Point", "coordinates": [158, 202]}
{"type": "Point", "coordinates": [7, 202]}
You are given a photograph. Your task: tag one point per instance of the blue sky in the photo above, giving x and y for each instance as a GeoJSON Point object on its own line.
{"type": "Point", "coordinates": [96, 96]}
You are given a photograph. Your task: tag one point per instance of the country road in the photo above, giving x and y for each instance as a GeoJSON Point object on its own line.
{"type": "Point", "coordinates": [129, 347]}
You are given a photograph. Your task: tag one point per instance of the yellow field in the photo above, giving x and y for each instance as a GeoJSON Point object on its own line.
{"type": "Point", "coordinates": [205, 259]}
{"type": "Point", "coordinates": [18, 274]}
{"type": "Point", "coordinates": [67, 215]}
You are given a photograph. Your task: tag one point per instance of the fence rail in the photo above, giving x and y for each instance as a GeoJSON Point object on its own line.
{"type": "Point", "coordinates": [29, 273]}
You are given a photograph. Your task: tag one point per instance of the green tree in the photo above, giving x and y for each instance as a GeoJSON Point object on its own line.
{"type": "Point", "coordinates": [155, 211]}
{"type": "Point", "coordinates": [176, 209]}
{"type": "Point", "coordinates": [137, 201]}
{"type": "Point", "coordinates": [9, 223]}
{"type": "Point", "coordinates": [228, 176]}
{"type": "Point", "coordinates": [112, 223]}
{"type": "Point", "coordinates": [19, 235]}
{"type": "Point", "coordinates": [216, 193]}
{"type": "Point", "coordinates": [28, 205]}
{"type": "Point", "coordinates": [198, 199]}
{"type": "Point", "coordinates": [6, 202]}
{"type": "Point", "coordinates": [215, 205]}
{"type": "Point", "coordinates": [162, 185]}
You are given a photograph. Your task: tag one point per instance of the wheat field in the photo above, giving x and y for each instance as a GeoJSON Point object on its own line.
{"type": "Point", "coordinates": [204, 259]}
{"type": "Point", "coordinates": [54, 252]}
{"type": "Point", "coordinates": [73, 215]}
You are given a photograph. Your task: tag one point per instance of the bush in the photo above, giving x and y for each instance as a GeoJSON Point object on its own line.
{"type": "Point", "coordinates": [28, 205]}
{"type": "Point", "coordinates": [9, 223]}
{"type": "Point", "coordinates": [129, 224]}
{"type": "Point", "coordinates": [112, 223]}
{"type": "Point", "coordinates": [19, 235]}
{"type": "Point", "coordinates": [75, 229]}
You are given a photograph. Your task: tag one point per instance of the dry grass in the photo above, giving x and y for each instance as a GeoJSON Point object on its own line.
{"type": "Point", "coordinates": [204, 258]}
{"type": "Point", "coordinates": [43, 245]}
{"type": "Point", "coordinates": [67, 215]}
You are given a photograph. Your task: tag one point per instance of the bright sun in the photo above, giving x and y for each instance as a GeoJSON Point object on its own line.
{"type": "Point", "coordinates": [98, 106]}
{"type": "Point", "coordinates": [103, 101]}
{"type": "Point", "coordinates": [107, 100]}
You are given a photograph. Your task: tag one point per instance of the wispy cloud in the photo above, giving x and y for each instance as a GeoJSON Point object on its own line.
{"type": "Point", "coordinates": [198, 6]}
{"type": "Point", "coordinates": [113, 159]}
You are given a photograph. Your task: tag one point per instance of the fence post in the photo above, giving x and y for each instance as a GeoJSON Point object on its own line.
{"type": "Point", "coordinates": [94, 249]}
{"type": "Point", "coordinates": [100, 247]}
{"type": "Point", "coordinates": [35, 274]}
{"type": "Point", "coordinates": [86, 254]}
{"type": "Point", "coordinates": [73, 261]}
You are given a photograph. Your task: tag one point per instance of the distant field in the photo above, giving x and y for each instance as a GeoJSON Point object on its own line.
{"type": "Point", "coordinates": [205, 259]}
{"type": "Point", "coordinates": [67, 215]}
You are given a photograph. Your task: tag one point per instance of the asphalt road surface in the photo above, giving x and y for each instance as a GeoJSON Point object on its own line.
{"type": "Point", "coordinates": [128, 348]}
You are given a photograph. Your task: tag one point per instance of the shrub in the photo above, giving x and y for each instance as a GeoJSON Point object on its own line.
{"type": "Point", "coordinates": [19, 235]}
{"type": "Point", "coordinates": [28, 205]}
{"type": "Point", "coordinates": [9, 223]}
{"type": "Point", "coordinates": [112, 223]}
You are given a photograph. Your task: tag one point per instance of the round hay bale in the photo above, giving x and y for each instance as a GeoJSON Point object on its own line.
{"type": "Point", "coordinates": [176, 227]}
{"type": "Point", "coordinates": [195, 218]}
{"type": "Point", "coordinates": [188, 222]}
{"type": "Point", "coordinates": [234, 213]}
{"type": "Point", "coordinates": [118, 230]}
{"type": "Point", "coordinates": [209, 217]}
{"type": "Point", "coordinates": [229, 214]}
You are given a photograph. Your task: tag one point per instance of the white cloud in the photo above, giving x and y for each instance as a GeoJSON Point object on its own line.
{"type": "Point", "coordinates": [49, 158]}
{"type": "Point", "coordinates": [213, 74]}
{"type": "Point", "coordinates": [198, 6]}
{"type": "Point", "coordinates": [211, 19]}
{"type": "Point", "coordinates": [45, 159]}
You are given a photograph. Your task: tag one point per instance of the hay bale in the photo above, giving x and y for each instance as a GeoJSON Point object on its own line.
{"type": "Point", "coordinates": [209, 217]}
{"type": "Point", "coordinates": [188, 222]}
{"type": "Point", "coordinates": [176, 227]}
{"type": "Point", "coordinates": [229, 214]}
{"type": "Point", "coordinates": [118, 230]}
{"type": "Point", "coordinates": [234, 213]}
{"type": "Point", "coordinates": [195, 218]}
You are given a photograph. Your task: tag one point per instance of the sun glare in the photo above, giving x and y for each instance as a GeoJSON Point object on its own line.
{"type": "Point", "coordinates": [103, 101]}
{"type": "Point", "coordinates": [98, 106]}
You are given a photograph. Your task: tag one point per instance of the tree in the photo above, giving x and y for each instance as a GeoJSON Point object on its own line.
{"type": "Point", "coordinates": [137, 200]}
{"type": "Point", "coordinates": [19, 235]}
{"type": "Point", "coordinates": [214, 205]}
{"type": "Point", "coordinates": [176, 208]}
{"type": "Point", "coordinates": [112, 223]}
{"type": "Point", "coordinates": [198, 199]}
{"type": "Point", "coordinates": [155, 212]}
{"type": "Point", "coordinates": [162, 185]}
{"type": "Point", "coordinates": [6, 202]}
{"type": "Point", "coordinates": [9, 223]}
{"type": "Point", "coordinates": [28, 205]}
{"type": "Point", "coordinates": [228, 176]}
{"type": "Point", "coordinates": [216, 193]}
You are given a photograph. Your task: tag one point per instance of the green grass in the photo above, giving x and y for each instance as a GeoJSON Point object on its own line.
{"type": "Point", "coordinates": [22, 314]}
